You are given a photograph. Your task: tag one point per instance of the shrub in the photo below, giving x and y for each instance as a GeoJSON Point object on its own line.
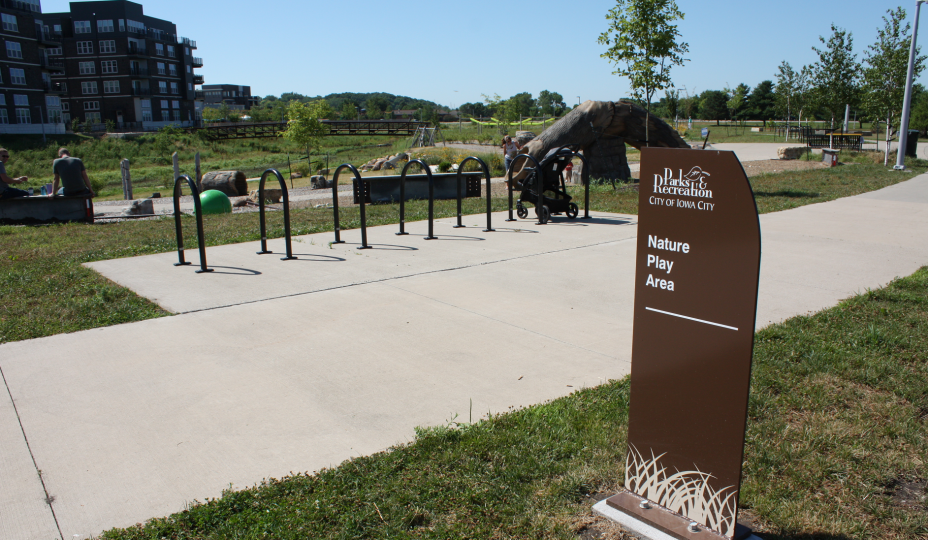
{"type": "Point", "coordinates": [444, 166]}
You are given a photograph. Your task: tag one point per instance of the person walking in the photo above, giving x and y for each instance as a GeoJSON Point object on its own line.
{"type": "Point", "coordinates": [71, 173]}
{"type": "Point", "coordinates": [7, 192]}
{"type": "Point", "coordinates": [510, 149]}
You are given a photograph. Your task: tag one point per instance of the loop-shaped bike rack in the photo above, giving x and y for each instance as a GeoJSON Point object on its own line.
{"type": "Point", "coordinates": [585, 178]}
{"type": "Point", "coordinates": [486, 173]}
{"type": "Point", "coordinates": [428, 173]}
{"type": "Point", "coordinates": [359, 189]}
{"type": "Point", "coordinates": [541, 191]}
{"type": "Point", "coordinates": [283, 188]}
{"type": "Point", "coordinates": [179, 230]}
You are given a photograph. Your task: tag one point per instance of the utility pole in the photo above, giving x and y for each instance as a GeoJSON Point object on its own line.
{"type": "Point", "coordinates": [907, 100]}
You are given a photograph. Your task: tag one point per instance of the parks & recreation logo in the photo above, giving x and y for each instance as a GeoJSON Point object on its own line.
{"type": "Point", "coordinates": [691, 184]}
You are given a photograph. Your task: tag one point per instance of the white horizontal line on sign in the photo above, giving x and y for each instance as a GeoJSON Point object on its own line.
{"type": "Point", "coordinates": [691, 318]}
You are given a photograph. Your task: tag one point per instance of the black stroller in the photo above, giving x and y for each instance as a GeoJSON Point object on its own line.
{"type": "Point", "coordinates": [555, 199]}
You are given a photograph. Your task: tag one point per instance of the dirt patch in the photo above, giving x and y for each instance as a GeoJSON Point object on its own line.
{"type": "Point", "coordinates": [909, 492]}
{"type": "Point", "coordinates": [771, 166]}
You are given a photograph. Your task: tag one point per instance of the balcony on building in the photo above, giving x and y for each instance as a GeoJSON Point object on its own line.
{"type": "Point", "coordinates": [187, 42]}
{"type": "Point", "coordinates": [199, 94]}
{"type": "Point", "coordinates": [138, 71]}
{"type": "Point", "coordinates": [53, 87]}
{"type": "Point", "coordinates": [137, 50]}
{"type": "Point", "coordinates": [51, 64]}
{"type": "Point", "coordinates": [198, 79]}
{"type": "Point", "coordinates": [197, 62]}
{"type": "Point", "coordinates": [47, 37]}
{"type": "Point", "coordinates": [137, 91]}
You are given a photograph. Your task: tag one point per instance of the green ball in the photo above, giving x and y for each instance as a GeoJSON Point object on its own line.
{"type": "Point", "coordinates": [213, 201]}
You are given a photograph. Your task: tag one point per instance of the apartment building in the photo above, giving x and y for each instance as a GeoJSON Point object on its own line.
{"type": "Point", "coordinates": [235, 96]}
{"type": "Point", "coordinates": [123, 66]}
{"type": "Point", "coordinates": [29, 99]}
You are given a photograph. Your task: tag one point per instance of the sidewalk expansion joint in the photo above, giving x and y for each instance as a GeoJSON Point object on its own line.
{"type": "Point", "coordinates": [48, 499]}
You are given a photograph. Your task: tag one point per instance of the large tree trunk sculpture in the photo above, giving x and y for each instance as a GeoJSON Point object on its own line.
{"type": "Point", "coordinates": [600, 129]}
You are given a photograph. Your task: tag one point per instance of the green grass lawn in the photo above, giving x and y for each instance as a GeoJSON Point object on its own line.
{"type": "Point", "coordinates": [838, 421]}
{"type": "Point", "coordinates": [48, 292]}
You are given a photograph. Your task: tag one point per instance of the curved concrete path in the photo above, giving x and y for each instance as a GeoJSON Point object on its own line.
{"type": "Point", "coordinates": [272, 366]}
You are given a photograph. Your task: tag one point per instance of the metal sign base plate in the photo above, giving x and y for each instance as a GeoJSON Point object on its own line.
{"type": "Point", "coordinates": [625, 506]}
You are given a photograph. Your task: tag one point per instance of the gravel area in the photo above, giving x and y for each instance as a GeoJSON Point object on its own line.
{"type": "Point", "coordinates": [755, 168]}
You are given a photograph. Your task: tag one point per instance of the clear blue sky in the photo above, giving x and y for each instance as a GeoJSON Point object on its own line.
{"type": "Point", "coordinates": [452, 52]}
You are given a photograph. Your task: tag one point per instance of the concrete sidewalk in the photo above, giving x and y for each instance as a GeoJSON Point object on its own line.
{"type": "Point", "coordinates": [277, 366]}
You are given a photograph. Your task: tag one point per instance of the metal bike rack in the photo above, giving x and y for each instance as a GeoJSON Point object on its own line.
{"type": "Point", "coordinates": [283, 187]}
{"type": "Point", "coordinates": [486, 173]}
{"type": "Point", "coordinates": [541, 199]}
{"type": "Point", "coordinates": [179, 230]}
{"type": "Point", "coordinates": [585, 178]}
{"type": "Point", "coordinates": [428, 173]}
{"type": "Point", "coordinates": [359, 187]}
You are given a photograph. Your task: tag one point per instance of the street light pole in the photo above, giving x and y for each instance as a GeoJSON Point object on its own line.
{"type": "Point", "coordinates": [907, 100]}
{"type": "Point", "coordinates": [578, 101]}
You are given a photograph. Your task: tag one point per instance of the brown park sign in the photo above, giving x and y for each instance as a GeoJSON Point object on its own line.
{"type": "Point", "coordinates": [696, 279]}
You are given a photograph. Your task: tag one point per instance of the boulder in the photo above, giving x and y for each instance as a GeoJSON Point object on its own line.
{"type": "Point", "coordinates": [270, 195]}
{"type": "Point", "coordinates": [296, 175]}
{"type": "Point", "coordinates": [524, 136]}
{"type": "Point", "coordinates": [791, 152]}
{"type": "Point", "coordinates": [319, 182]}
{"type": "Point", "coordinates": [144, 207]}
{"type": "Point", "coordinates": [232, 183]}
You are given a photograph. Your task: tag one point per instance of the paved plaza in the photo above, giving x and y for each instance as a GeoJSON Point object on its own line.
{"type": "Point", "coordinates": [274, 366]}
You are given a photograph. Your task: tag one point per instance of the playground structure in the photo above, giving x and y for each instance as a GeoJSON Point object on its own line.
{"type": "Point", "coordinates": [361, 187]}
{"type": "Point", "coordinates": [425, 136]}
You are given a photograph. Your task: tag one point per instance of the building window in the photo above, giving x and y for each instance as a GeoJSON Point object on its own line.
{"type": "Point", "coordinates": [173, 69]}
{"type": "Point", "coordinates": [17, 76]}
{"type": "Point", "coordinates": [3, 100]}
{"type": "Point", "coordinates": [54, 52]}
{"type": "Point", "coordinates": [54, 116]}
{"type": "Point", "coordinates": [91, 105]}
{"type": "Point", "coordinates": [187, 51]}
{"type": "Point", "coordinates": [85, 47]}
{"type": "Point", "coordinates": [9, 23]}
{"type": "Point", "coordinates": [86, 68]}
{"type": "Point", "coordinates": [108, 46]}
{"type": "Point", "coordinates": [135, 26]}
{"type": "Point", "coordinates": [165, 116]}
{"type": "Point", "coordinates": [105, 25]}
{"type": "Point", "coordinates": [146, 115]}
{"type": "Point", "coordinates": [122, 25]}
{"type": "Point", "coordinates": [188, 68]}
{"type": "Point", "coordinates": [110, 87]}
{"type": "Point", "coordinates": [163, 87]}
{"type": "Point", "coordinates": [175, 104]}
{"type": "Point", "coordinates": [174, 88]}
{"type": "Point", "coordinates": [171, 51]}
{"type": "Point", "coordinates": [159, 49]}
{"type": "Point", "coordinates": [160, 68]}
{"type": "Point", "coordinates": [65, 106]}
{"type": "Point", "coordinates": [13, 50]}
{"type": "Point", "coordinates": [81, 27]}
{"type": "Point", "coordinates": [108, 66]}
{"type": "Point", "coordinates": [64, 87]}
{"type": "Point", "coordinates": [4, 117]}
{"type": "Point", "coordinates": [22, 116]}
{"type": "Point", "coordinates": [177, 116]}
{"type": "Point", "coordinates": [20, 100]}
{"type": "Point", "coordinates": [190, 86]}
{"type": "Point", "coordinates": [53, 101]}
{"type": "Point", "coordinates": [92, 117]}
{"type": "Point", "coordinates": [164, 104]}
{"type": "Point", "coordinates": [89, 87]}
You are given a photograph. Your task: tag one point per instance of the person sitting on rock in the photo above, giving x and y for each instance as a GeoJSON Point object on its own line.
{"type": "Point", "coordinates": [71, 173]}
{"type": "Point", "coordinates": [510, 149]}
{"type": "Point", "coordinates": [7, 192]}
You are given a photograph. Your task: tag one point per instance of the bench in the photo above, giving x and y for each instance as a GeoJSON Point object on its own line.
{"type": "Point", "coordinates": [385, 189]}
{"type": "Point", "coordinates": [41, 209]}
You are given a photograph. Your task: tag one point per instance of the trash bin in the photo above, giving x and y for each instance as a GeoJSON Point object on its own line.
{"type": "Point", "coordinates": [830, 156]}
{"type": "Point", "coordinates": [911, 143]}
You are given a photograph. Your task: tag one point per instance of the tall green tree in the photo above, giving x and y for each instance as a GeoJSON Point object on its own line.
{"type": "Point", "coordinates": [642, 40]}
{"type": "Point", "coordinates": [550, 103]}
{"type": "Point", "coordinates": [376, 105]}
{"type": "Point", "coordinates": [522, 104]}
{"type": "Point", "coordinates": [672, 100]}
{"type": "Point", "coordinates": [836, 74]}
{"type": "Point", "coordinates": [737, 100]}
{"type": "Point", "coordinates": [713, 105]}
{"type": "Point", "coordinates": [790, 92]}
{"type": "Point", "coordinates": [761, 102]}
{"type": "Point", "coordinates": [886, 65]}
{"type": "Point", "coordinates": [304, 124]}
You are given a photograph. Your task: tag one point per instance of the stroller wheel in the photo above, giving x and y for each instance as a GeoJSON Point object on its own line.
{"type": "Point", "coordinates": [522, 212]}
{"type": "Point", "coordinates": [572, 210]}
{"type": "Point", "coordinates": [545, 215]}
